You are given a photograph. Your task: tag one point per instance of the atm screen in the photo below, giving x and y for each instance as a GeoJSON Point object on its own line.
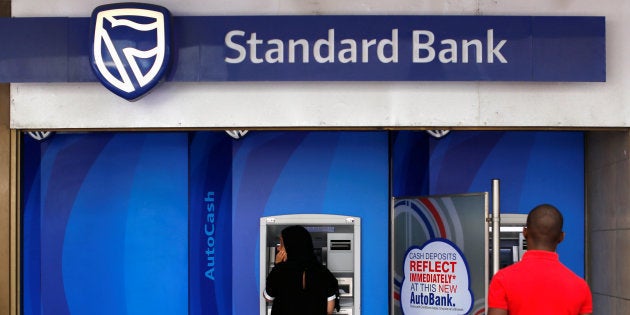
{"type": "Point", "coordinates": [506, 257]}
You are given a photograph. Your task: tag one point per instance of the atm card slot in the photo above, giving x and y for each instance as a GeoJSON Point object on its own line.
{"type": "Point", "coordinates": [340, 245]}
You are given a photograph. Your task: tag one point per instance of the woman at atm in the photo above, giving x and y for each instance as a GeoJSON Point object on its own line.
{"type": "Point", "coordinates": [298, 283]}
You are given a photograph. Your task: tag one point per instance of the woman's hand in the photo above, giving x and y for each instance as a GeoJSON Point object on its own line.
{"type": "Point", "coordinates": [281, 256]}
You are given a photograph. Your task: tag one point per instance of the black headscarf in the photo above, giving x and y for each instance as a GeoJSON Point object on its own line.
{"type": "Point", "coordinates": [298, 245]}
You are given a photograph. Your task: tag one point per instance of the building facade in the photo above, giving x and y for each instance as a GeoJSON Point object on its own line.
{"type": "Point", "coordinates": [596, 110]}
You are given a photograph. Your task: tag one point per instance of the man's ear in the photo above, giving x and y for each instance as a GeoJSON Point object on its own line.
{"type": "Point", "coordinates": [561, 238]}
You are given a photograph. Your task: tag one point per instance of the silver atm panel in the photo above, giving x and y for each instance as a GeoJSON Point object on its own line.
{"type": "Point", "coordinates": [337, 244]}
{"type": "Point", "coordinates": [340, 252]}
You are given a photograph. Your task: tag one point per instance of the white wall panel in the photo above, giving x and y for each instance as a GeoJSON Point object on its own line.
{"type": "Point", "coordinates": [78, 105]}
{"type": "Point", "coordinates": [321, 104]}
{"type": "Point", "coordinates": [80, 8]}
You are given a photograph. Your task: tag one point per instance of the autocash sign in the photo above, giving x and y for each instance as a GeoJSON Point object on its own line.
{"type": "Point", "coordinates": [301, 48]}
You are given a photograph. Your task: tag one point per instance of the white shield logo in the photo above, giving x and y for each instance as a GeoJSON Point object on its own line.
{"type": "Point", "coordinates": [130, 47]}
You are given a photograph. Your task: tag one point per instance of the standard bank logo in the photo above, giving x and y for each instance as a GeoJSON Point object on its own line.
{"type": "Point", "coordinates": [130, 47]}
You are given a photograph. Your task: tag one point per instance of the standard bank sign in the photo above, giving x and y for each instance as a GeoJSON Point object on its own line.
{"type": "Point", "coordinates": [130, 47]}
{"type": "Point", "coordinates": [130, 50]}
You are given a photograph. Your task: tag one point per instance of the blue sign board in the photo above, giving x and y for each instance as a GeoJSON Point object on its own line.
{"type": "Point", "coordinates": [330, 48]}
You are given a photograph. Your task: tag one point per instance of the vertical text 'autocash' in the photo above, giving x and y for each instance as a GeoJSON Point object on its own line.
{"type": "Point", "coordinates": [426, 48]}
{"type": "Point", "coordinates": [209, 234]}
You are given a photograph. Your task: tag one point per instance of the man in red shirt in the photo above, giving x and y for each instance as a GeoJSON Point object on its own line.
{"type": "Point", "coordinates": [539, 284]}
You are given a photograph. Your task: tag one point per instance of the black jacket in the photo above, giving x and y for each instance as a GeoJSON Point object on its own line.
{"type": "Point", "coordinates": [299, 289]}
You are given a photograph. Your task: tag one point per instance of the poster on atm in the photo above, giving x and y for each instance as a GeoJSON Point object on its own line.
{"type": "Point", "coordinates": [439, 265]}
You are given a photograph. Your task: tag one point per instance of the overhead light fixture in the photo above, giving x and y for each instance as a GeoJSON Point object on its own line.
{"type": "Point", "coordinates": [236, 134]}
{"type": "Point", "coordinates": [438, 133]}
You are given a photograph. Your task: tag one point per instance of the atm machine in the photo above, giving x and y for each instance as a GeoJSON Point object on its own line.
{"type": "Point", "coordinates": [337, 244]}
{"type": "Point", "coordinates": [512, 244]}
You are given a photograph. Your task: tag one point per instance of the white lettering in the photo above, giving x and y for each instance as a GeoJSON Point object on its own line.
{"type": "Point", "coordinates": [275, 54]}
{"type": "Point", "coordinates": [465, 49]}
{"type": "Point", "coordinates": [293, 44]}
{"type": "Point", "coordinates": [327, 43]}
{"type": "Point", "coordinates": [426, 46]}
{"type": "Point", "coordinates": [424, 52]}
{"type": "Point", "coordinates": [253, 43]}
{"type": "Point", "coordinates": [348, 54]}
{"type": "Point", "coordinates": [232, 45]}
{"type": "Point", "coordinates": [324, 50]}
{"type": "Point", "coordinates": [495, 51]}
{"type": "Point", "coordinates": [451, 50]}
{"type": "Point", "coordinates": [393, 44]}
{"type": "Point", "coordinates": [365, 53]}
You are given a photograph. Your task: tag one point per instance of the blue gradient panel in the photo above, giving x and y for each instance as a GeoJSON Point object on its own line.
{"type": "Point", "coordinates": [31, 225]}
{"type": "Point", "coordinates": [106, 221]}
{"type": "Point", "coordinates": [113, 235]}
{"type": "Point", "coordinates": [258, 162]}
{"type": "Point", "coordinates": [555, 174]}
{"type": "Point", "coordinates": [210, 204]}
{"type": "Point", "coordinates": [63, 170]}
{"type": "Point", "coordinates": [533, 168]}
{"type": "Point", "coordinates": [312, 172]}
{"type": "Point", "coordinates": [410, 160]}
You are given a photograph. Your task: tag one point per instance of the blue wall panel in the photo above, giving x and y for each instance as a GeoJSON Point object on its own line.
{"type": "Point", "coordinates": [106, 222]}
{"type": "Point", "coordinates": [311, 172]}
{"type": "Point", "coordinates": [533, 168]}
{"type": "Point", "coordinates": [410, 163]}
{"type": "Point", "coordinates": [113, 235]}
{"type": "Point", "coordinates": [31, 213]}
{"type": "Point", "coordinates": [210, 217]}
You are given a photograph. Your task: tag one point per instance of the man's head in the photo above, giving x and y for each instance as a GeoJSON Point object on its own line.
{"type": "Point", "coordinates": [544, 228]}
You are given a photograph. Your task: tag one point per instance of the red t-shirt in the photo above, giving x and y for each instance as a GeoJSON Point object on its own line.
{"type": "Point", "coordinates": [540, 284]}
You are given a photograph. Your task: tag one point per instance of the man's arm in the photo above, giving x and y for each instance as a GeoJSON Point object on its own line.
{"type": "Point", "coordinates": [497, 311]}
